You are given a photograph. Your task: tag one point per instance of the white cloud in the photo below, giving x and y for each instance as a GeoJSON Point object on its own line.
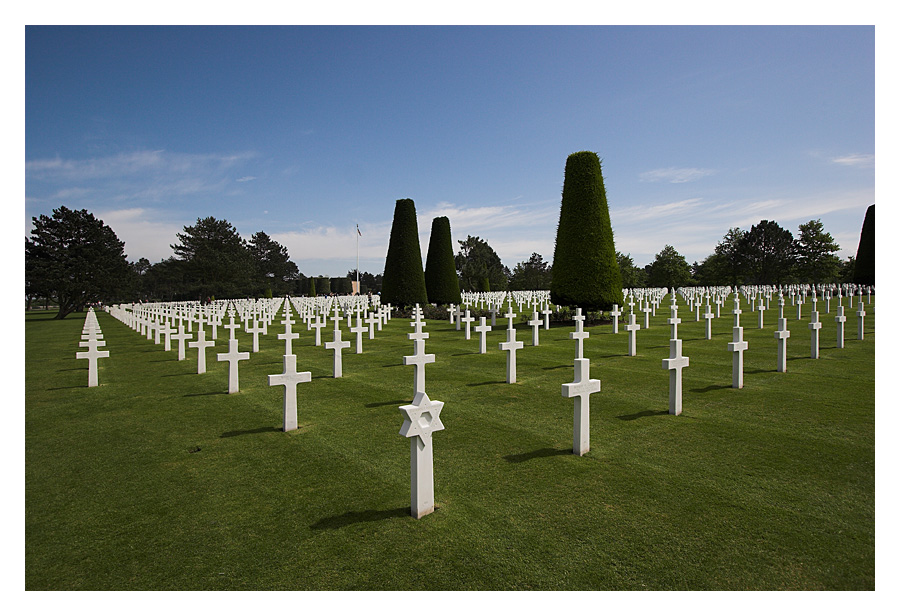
{"type": "Point", "coordinates": [144, 233]}
{"type": "Point", "coordinates": [855, 160]}
{"type": "Point", "coordinates": [676, 175]}
{"type": "Point", "coordinates": [246, 178]}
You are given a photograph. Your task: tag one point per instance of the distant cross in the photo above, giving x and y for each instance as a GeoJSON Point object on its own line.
{"type": "Point", "coordinates": [546, 312]}
{"type": "Point", "coordinates": [338, 345]}
{"type": "Point", "coordinates": [615, 313]}
{"type": "Point", "coordinates": [371, 319]}
{"type": "Point", "coordinates": [318, 325]}
{"type": "Point", "coordinates": [781, 336]}
{"type": "Point", "coordinates": [418, 359]}
{"type": "Point", "coordinates": [632, 329]}
{"type": "Point", "coordinates": [290, 378]}
{"type": "Point", "coordinates": [92, 355]}
{"type": "Point", "coordinates": [231, 326]}
{"type": "Point", "coordinates": [167, 330]}
{"type": "Point", "coordinates": [181, 336]}
{"type": "Point", "coordinates": [289, 335]}
{"type": "Point", "coordinates": [737, 310]}
{"type": "Point", "coordinates": [737, 346]}
{"type": "Point", "coordinates": [468, 321]}
{"type": "Point", "coordinates": [814, 326]}
{"type": "Point", "coordinates": [674, 321]}
{"type": "Point", "coordinates": [452, 312]}
{"type": "Point", "coordinates": [581, 389]}
{"type": "Point", "coordinates": [201, 344]}
{"type": "Point", "coordinates": [256, 330]}
{"type": "Point", "coordinates": [708, 316]}
{"type": "Point", "coordinates": [483, 329]}
{"type": "Point", "coordinates": [535, 324]}
{"type": "Point", "coordinates": [579, 334]}
{"type": "Point", "coordinates": [675, 363]}
{"type": "Point", "coordinates": [761, 308]}
{"type": "Point", "coordinates": [840, 319]}
{"type": "Point", "coordinates": [511, 346]}
{"type": "Point", "coordinates": [646, 310]}
{"type": "Point", "coordinates": [358, 330]}
{"type": "Point", "coordinates": [860, 320]}
{"type": "Point", "coordinates": [233, 357]}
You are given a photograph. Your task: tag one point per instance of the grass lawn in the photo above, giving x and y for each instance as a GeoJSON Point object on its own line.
{"type": "Point", "coordinates": [159, 479]}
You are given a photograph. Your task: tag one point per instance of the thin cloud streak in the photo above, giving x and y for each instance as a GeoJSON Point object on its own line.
{"type": "Point", "coordinates": [676, 175]}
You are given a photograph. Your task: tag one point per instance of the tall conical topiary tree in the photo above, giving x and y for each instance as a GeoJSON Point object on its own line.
{"type": "Point", "coordinates": [404, 280]}
{"type": "Point", "coordinates": [585, 270]}
{"type": "Point", "coordinates": [864, 272]}
{"type": "Point", "coordinates": [441, 281]}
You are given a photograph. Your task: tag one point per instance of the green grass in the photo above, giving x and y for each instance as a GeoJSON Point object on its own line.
{"type": "Point", "coordinates": [159, 479]}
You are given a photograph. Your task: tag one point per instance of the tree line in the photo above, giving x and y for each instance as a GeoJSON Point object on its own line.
{"type": "Point", "coordinates": [73, 260]}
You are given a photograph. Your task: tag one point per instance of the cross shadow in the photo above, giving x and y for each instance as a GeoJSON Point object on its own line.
{"type": "Point", "coordinates": [485, 383]}
{"type": "Point", "coordinates": [373, 405]}
{"type": "Point", "coordinates": [703, 390]}
{"type": "Point", "coordinates": [546, 452]}
{"type": "Point", "coordinates": [70, 369]}
{"type": "Point", "coordinates": [205, 393]}
{"type": "Point", "coordinates": [392, 365]}
{"type": "Point", "coordinates": [254, 431]}
{"type": "Point", "coordinates": [634, 416]}
{"type": "Point", "coordinates": [461, 354]}
{"type": "Point", "coordinates": [556, 367]}
{"type": "Point", "coordinates": [357, 517]}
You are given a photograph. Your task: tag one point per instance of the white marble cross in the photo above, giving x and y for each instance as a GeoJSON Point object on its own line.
{"type": "Point", "coordinates": [737, 346]}
{"type": "Point", "coordinates": [861, 319]}
{"type": "Point", "coordinates": [579, 334]}
{"type": "Point", "coordinates": [840, 319]}
{"type": "Point", "coordinates": [92, 355]}
{"type": "Point", "coordinates": [452, 311]}
{"type": "Point", "coordinates": [511, 346]}
{"type": "Point", "coordinates": [581, 389]}
{"type": "Point", "coordinates": [761, 308]}
{"type": "Point", "coordinates": [233, 357]}
{"type": "Point", "coordinates": [675, 363]}
{"type": "Point", "coordinates": [318, 325]}
{"type": "Point", "coordinates": [632, 327]}
{"type": "Point", "coordinates": [483, 329]}
{"type": "Point", "coordinates": [181, 336]}
{"type": "Point", "coordinates": [737, 310]}
{"type": "Point", "coordinates": [372, 319]}
{"type": "Point", "coordinates": [358, 330]}
{"type": "Point", "coordinates": [781, 335]}
{"type": "Point", "coordinates": [814, 326]}
{"type": "Point", "coordinates": [418, 359]}
{"type": "Point", "coordinates": [708, 317]}
{"type": "Point", "coordinates": [231, 326]}
{"type": "Point", "coordinates": [421, 419]}
{"type": "Point", "coordinates": [201, 344]}
{"type": "Point", "coordinates": [468, 321]}
{"type": "Point", "coordinates": [289, 335]}
{"type": "Point", "coordinates": [546, 312]}
{"type": "Point", "coordinates": [290, 378]}
{"type": "Point", "coordinates": [615, 313]}
{"type": "Point", "coordinates": [535, 324]}
{"type": "Point", "coordinates": [255, 330]}
{"type": "Point", "coordinates": [674, 321]}
{"type": "Point", "coordinates": [647, 310]}
{"type": "Point", "coordinates": [338, 345]}
{"type": "Point", "coordinates": [167, 330]}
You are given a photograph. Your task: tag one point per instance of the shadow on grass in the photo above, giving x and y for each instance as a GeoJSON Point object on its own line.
{"type": "Point", "coordinates": [556, 367]}
{"type": "Point", "coordinates": [703, 390]}
{"type": "Point", "coordinates": [546, 452]}
{"type": "Point", "coordinates": [373, 405]}
{"type": "Point", "coordinates": [205, 393]}
{"type": "Point", "coordinates": [634, 416]}
{"type": "Point", "coordinates": [485, 383]}
{"type": "Point", "coordinates": [254, 431]}
{"type": "Point", "coordinates": [358, 517]}
{"type": "Point", "coordinates": [392, 365]}
{"type": "Point", "coordinates": [463, 354]}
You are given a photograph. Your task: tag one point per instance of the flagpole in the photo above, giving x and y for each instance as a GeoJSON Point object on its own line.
{"type": "Point", "coordinates": [357, 259]}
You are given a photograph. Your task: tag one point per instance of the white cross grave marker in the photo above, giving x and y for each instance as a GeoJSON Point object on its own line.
{"type": "Point", "coordinates": [483, 329]}
{"type": "Point", "coordinates": [781, 335]}
{"type": "Point", "coordinates": [92, 355]}
{"type": "Point", "coordinates": [581, 389]}
{"type": "Point", "coordinates": [840, 319]}
{"type": "Point", "coordinates": [233, 357]}
{"type": "Point", "coordinates": [632, 327]}
{"type": "Point", "coordinates": [468, 321]}
{"type": "Point", "coordinates": [535, 324]}
{"type": "Point", "coordinates": [814, 326]}
{"type": "Point", "coordinates": [579, 334]}
{"type": "Point", "coordinates": [511, 346]}
{"type": "Point", "coordinates": [615, 313]}
{"type": "Point", "coordinates": [201, 344]}
{"type": "Point", "coordinates": [737, 346]}
{"type": "Point", "coordinates": [675, 363]}
{"type": "Point", "coordinates": [338, 345]}
{"type": "Point", "coordinates": [181, 336]}
{"type": "Point", "coordinates": [861, 319]}
{"type": "Point", "coordinates": [290, 378]}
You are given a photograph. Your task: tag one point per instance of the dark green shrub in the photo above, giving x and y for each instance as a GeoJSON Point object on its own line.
{"type": "Point", "coordinates": [441, 281]}
{"type": "Point", "coordinates": [585, 270]}
{"type": "Point", "coordinates": [404, 279]}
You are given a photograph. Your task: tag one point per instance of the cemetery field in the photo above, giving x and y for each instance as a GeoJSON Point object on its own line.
{"type": "Point", "coordinates": [159, 479]}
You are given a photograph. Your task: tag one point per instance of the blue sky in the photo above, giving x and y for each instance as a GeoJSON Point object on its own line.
{"type": "Point", "coordinates": [305, 132]}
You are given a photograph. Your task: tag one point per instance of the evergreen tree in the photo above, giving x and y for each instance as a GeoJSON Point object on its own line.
{"type": "Point", "coordinates": [441, 281]}
{"type": "Point", "coordinates": [404, 278]}
{"type": "Point", "coordinates": [816, 261]}
{"type": "Point", "coordinates": [864, 272]}
{"type": "Point", "coordinates": [75, 259]}
{"type": "Point", "coordinates": [531, 275]}
{"type": "Point", "coordinates": [479, 267]}
{"type": "Point", "coordinates": [585, 270]}
{"type": "Point", "coordinates": [632, 277]}
{"type": "Point", "coordinates": [769, 253]}
{"type": "Point", "coordinates": [216, 259]}
{"type": "Point", "coordinates": [670, 269]}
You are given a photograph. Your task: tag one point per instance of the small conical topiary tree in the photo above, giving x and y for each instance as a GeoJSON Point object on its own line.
{"type": "Point", "coordinates": [403, 283]}
{"type": "Point", "coordinates": [312, 287]}
{"type": "Point", "coordinates": [441, 281]}
{"type": "Point", "coordinates": [864, 272]}
{"type": "Point", "coordinates": [585, 270]}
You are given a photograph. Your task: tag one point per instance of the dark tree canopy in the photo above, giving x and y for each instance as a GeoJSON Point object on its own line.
{"type": "Point", "coordinates": [441, 281]}
{"type": "Point", "coordinates": [216, 260]}
{"type": "Point", "coordinates": [531, 275]}
{"type": "Point", "coordinates": [632, 277]}
{"type": "Point", "coordinates": [273, 269]}
{"type": "Point", "coordinates": [769, 253]}
{"type": "Point", "coordinates": [585, 270]}
{"type": "Point", "coordinates": [75, 259]}
{"type": "Point", "coordinates": [864, 272]}
{"type": "Point", "coordinates": [404, 278]}
{"type": "Point", "coordinates": [816, 261]}
{"type": "Point", "coordinates": [479, 267]}
{"type": "Point", "coordinates": [669, 269]}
